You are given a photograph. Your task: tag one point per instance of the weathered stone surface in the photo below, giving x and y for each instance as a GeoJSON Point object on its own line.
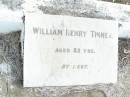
{"type": "Point", "coordinates": [91, 9]}
{"type": "Point", "coordinates": [11, 84]}
{"type": "Point", "coordinates": [11, 60]}
{"type": "Point", "coordinates": [3, 86]}
{"type": "Point", "coordinates": [97, 93]}
{"type": "Point", "coordinates": [89, 93]}
{"type": "Point", "coordinates": [122, 1]}
{"type": "Point", "coordinates": [12, 4]}
{"type": "Point", "coordinates": [119, 1]}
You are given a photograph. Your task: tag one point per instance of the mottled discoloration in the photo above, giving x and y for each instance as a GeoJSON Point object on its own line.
{"type": "Point", "coordinates": [89, 93]}
{"type": "Point", "coordinates": [11, 82]}
{"type": "Point", "coordinates": [11, 61]}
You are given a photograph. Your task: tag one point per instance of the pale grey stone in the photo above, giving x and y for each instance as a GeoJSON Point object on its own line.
{"type": "Point", "coordinates": [10, 55]}
{"type": "Point", "coordinates": [3, 86]}
{"type": "Point", "coordinates": [89, 93]}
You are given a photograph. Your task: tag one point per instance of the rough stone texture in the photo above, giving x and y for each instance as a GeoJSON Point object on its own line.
{"type": "Point", "coordinates": [89, 93]}
{"type": "Point", "coordinates": [119, 1]}
{"type": "Point", "coordinates": [11, 61]}
{"type": "Point", "coordinates": [122, 1]}
{"type": "Point", "coordinates": [17, 4]}
{"type": "Point", "coordinates": [12, 4]}
{"type": "Point", "coordinates": [11, 77]}
{"type": "Point", "coordinates": [91, 9]}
